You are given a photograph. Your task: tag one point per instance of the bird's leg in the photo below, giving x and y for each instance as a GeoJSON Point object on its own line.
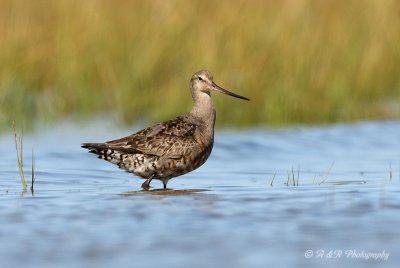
{"type": "Point", "coordinates": [146, 184]}
{"type": "Point", "coordinates": [165, 184]}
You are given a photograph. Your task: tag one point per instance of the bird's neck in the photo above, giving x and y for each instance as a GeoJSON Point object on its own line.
{"type": "Point", "coordinates": [204, 110]}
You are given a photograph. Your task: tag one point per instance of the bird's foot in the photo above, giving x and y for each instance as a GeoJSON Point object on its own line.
{"type": "Point", "coordinates": [146, 185]}
{"type": "Point", "coordinates": [165, 184]}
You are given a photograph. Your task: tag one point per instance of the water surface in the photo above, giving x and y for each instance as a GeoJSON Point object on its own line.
{"type": "Point", "coordinates": [238, 210]}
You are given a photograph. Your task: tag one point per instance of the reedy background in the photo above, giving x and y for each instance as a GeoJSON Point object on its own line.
{"type": "Point", "coordinates": [298, 61]}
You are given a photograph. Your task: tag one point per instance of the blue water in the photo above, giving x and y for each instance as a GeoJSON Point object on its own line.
{"type": "Point", "coordinates": [238, 210]}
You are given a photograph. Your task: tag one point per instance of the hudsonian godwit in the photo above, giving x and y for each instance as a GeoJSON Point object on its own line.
{"type": "Point", "coordinates": [173, 148]}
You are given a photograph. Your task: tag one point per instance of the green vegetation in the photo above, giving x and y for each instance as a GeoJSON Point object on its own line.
{"type": "Point", "coordinates": [327, 173]}
{"type": "Point", "coordinates": [33, 178]}
{"type": "Point", "coordinates": [298, 61]}
{"type": "Point", "coordinates": [20, 158]}
{"type": "Point", "coordinates": [292, 181]}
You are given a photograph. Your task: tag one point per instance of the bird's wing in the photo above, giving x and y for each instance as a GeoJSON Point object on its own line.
{"type": "Point", "coordinates": [173, 138]}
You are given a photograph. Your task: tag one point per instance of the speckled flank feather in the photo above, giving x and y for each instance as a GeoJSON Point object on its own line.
{"type": "Point", "coordinates": [164, 150]}
{"type": "Point", "coordinates": [172, 148]}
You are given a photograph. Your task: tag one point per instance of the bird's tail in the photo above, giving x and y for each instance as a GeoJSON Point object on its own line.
{"type": "Point", "coordinates": [95, 148]}
{"type": "Point", "coordinates": [103, 151]}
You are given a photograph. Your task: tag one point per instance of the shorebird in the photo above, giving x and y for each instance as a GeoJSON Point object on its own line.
{"type": "Point", "coordinates": [172, 148]}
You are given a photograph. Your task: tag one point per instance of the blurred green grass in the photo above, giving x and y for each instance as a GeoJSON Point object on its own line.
{"type": "Point", "coordinates": [298, 61]}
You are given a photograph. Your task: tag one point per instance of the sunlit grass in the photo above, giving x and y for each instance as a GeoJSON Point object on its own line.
{"type": "Point", "coordinates": [20, 159]}
{"type": "Point", "coordinates": [298, 61]}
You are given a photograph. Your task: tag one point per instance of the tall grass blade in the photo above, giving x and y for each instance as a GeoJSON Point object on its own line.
{"type": "Point", "coordinates": [19, 151]}
{"type": "Point", "coordinates": [272, 181]}
{"type": "Point", "coordinates": [33, 172]}
{"type": "Point", "coordinates": [327, 173]}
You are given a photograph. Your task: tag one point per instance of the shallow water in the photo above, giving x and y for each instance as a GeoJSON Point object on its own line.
{"type": "Point", "coordinates": [87, 213]}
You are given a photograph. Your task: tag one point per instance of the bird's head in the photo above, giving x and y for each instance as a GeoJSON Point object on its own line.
{"type": "Point", "coordinates": [202, 81]}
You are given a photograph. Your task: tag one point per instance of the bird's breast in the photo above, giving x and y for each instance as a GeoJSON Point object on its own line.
{"type": "Point", "coordinates": [169, 168]}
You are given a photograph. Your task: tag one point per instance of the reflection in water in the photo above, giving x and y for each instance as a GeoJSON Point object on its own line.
{"type": "Point", "coordinates": [224, 214]}
{"type": "Point", "coordinates": [162, 191]}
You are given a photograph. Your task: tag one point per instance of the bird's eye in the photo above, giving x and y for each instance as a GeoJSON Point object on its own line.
{"type": "Point", "coordinates": [201, 79]}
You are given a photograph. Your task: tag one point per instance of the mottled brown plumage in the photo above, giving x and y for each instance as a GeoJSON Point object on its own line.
{"type": "Point", "coordinates": [172, 148]}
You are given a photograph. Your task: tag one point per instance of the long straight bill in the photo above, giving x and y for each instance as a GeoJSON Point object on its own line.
{"type": "Point", "coordinates": [217, 88]}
